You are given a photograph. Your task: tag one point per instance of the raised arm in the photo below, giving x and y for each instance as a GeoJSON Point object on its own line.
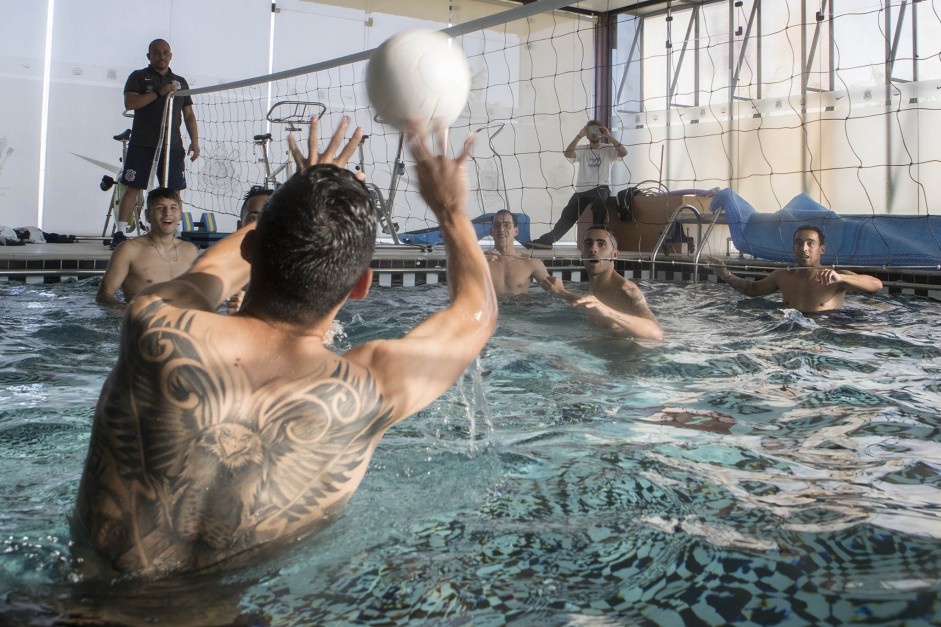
{"type": "Point", "coordinates": [762, 287]}
{"type": "Point", "coordinates": [415, 370]}
{"type": "Point", "coordinates": [618, 146]}
{"type": "Point", "coordinates": [223, 269]}
{"type": "Point", "coordinates": [219, 272]}
{"type": "Point", "coordinates": [569, 151]}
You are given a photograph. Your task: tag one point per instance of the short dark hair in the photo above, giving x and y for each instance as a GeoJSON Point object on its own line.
{"type": "Point", "coordinates": [151, 45]}
{"type": "Point", "coordinates": [810, 227]}
{"type": "Point", "coordinates": [507, 211]}
{"type": "Point", "coordinates": [254, 190]}
{"type": "Point", "coordinates": [159, 193]}
{"type": "Point", "coordinates": [315, 238]}
{"type": "Point", "coordinates": [601, 227]}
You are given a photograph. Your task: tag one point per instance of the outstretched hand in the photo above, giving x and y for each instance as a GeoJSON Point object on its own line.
{"type": "Point", "coordinates": [717, 266]}
{"type": "Point", "coordinates": [441, 180]}
{"type": "Point", "coordinates": [331, 154]}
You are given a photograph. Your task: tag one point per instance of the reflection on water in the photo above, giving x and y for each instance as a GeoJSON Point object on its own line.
{"type": "Point", "coordinates": [756, 467]}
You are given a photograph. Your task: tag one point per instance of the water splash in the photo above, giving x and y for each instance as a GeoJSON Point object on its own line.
{"type": "Point", "coordinates": [475, 402]}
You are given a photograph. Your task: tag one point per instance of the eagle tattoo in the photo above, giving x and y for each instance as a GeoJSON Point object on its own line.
{"type": "Point", "coordinates": [190, 464]}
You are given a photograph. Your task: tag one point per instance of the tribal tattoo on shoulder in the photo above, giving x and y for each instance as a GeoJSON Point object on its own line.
{"type": "Point", "coordinates": [204, 466]}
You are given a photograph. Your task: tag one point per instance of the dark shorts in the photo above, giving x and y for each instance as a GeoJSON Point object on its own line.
{"type": "Point", "coordinates": [139, 161]}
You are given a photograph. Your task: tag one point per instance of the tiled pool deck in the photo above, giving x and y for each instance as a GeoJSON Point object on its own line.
{"type": "Point", "coordinates": [408, 266]}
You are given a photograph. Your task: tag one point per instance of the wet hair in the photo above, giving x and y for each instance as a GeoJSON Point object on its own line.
{"type": "Point", "coordinates": [810, 227]}
{"type": "Point", "coordinates": [599, 227]}
{"type": "Point", "coordinates": [254, 190]}
{"type": "Point", "coordinates": [508, 212]}
{"type": "Point", "coordinates": [159, 193]}
{"type": "Point", "coordinates": [314, 240]}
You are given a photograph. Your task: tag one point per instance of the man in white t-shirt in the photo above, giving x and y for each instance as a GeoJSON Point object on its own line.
{"type": "Point", "coordinates": [593, 181]}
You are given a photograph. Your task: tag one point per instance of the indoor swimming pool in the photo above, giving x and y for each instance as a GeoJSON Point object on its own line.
{"type": "Point", "coordinates": [756, 467]}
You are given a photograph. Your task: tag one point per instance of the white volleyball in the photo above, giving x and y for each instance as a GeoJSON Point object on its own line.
{"type": "Point", "coordinates": [418, 74]}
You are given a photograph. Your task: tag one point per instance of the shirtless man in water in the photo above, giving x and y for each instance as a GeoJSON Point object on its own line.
{"type": "Point", "coordinates": [153, 258]}
{"type": "Point", "coordinates": [809, 288]}
{"type": "Point", "coordinates": [218, 436]}
{"type": "Point", "coordinates": [614, 303]}
{"type": "Point", "coordinates": [511, 271]}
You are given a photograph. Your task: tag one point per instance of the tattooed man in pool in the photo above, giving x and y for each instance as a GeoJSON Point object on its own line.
{"type": "Point", "coordinates": [219, 435]}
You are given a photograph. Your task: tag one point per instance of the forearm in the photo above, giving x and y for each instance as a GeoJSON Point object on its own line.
{"type": "Point", "coordinates": [189, 119]}
{"type": "Point", "coordinates": [133, 101]}
{"type": "Point", "coordinates": [638, 327]}
{"type": "Point", "coordinates": [469, 279]}
{"type": "Point", "coordinates": [862, 282]}
{"type": "Point", "coordinates": [620, 148]}
{"type": "Point", "coordinates": [566, 295]}
{"type": "Point", "coordinates": [225, 263]}
{"type": "Point", "coordinates": [736, 282]}
{"type": "Point", "coordinates": [569, 151]}
{"type": "Point", "coordinates": [104, 297]}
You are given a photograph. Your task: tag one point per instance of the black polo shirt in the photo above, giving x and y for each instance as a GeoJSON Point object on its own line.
{"type": "Point", "coordinates": [147, 120]}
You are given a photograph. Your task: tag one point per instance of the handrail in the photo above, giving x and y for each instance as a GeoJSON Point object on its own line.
{"type": "Point", "coordinates": [666, 230]}
{"type": "Point", "coordinates": [715, 218]}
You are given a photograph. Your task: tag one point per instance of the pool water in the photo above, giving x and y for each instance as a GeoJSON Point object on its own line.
{"type": "Point", "coordinates": [756, 467]}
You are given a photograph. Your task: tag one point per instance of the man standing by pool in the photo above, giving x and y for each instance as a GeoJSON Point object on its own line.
{"type": "Point", "coordinates": [154, 258]}
{"type": "Point", "coordinates": [217, 436]}
{"type": "Point", "coordinates": [145, 93]}
{"type": "Point", "coordinates": [614, 303]}
{"type": "Point", "coordinates": [809, 288]}
{"type": "Point", "coordinates": [512, 273]}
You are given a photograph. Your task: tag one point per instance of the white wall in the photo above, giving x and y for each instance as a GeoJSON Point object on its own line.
{"type": "Point", "coordinates": [95, 45]}
{"type": "Point", "coordinates": [22, 33]}
{"type": "Point", "coordinates": [535, 74]}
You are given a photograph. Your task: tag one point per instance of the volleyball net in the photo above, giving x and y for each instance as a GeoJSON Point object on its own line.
{"type": "Point", "coordinates": [768, 99]}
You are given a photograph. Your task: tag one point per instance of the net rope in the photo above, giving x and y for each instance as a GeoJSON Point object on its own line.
{"type": "Point", "coordinates": [703, 107]}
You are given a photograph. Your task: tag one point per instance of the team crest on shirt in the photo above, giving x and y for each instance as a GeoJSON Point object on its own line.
{"type": "Point", "coordinates": [130, 175]}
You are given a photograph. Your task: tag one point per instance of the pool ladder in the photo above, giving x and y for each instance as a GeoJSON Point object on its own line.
{"type": "Point", "coordinates": [713, 218]}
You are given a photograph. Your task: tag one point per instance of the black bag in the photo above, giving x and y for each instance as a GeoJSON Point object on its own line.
{"type": "Point", "coordinates": [625, 199]}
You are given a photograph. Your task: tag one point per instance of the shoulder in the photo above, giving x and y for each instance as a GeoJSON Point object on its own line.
{"type": "Point", "coordinates": [189, 248]}
{"type": "Point", "coordinates": [631, 289]}
{"type": "Point", "coordinates": [536, 262]}
{"type": "Point", "coordinates": [129, 249]}
{"type": "Point", "coordinates": [134, 78]}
